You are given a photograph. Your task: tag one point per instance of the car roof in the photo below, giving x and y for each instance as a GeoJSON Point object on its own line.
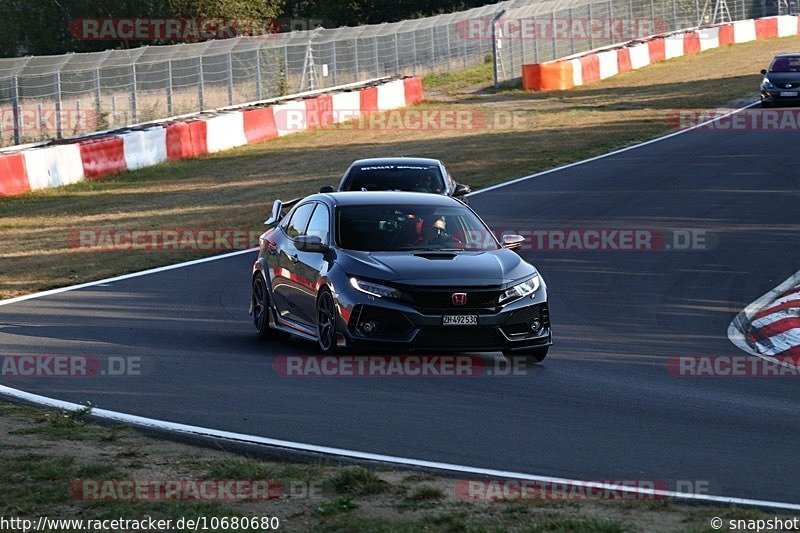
{"type": "Point", "coordinates": [383, 197]}
{"type": "Point", "coordinates": [395, 161]}
{"type": "Point", "coordinates": [788, 54]}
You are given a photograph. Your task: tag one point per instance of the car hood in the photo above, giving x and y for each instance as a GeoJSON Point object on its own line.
{"type": "Point", "coordinates": [463, 269]}
{"type": "Point", "coordinates": [778, 78]}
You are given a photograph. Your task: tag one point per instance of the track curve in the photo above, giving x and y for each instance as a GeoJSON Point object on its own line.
{"type": "Point", "coordinates": [602, 406]}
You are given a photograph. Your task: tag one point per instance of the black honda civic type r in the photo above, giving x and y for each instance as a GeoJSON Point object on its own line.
{"type": "Point", "coordinates": [397, 271]}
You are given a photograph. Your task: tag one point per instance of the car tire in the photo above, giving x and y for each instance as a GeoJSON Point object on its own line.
{"type": "Point", "coordinates": [326, 322]}
{"type": "Point", "coordinates": [259, 305]}
{"type": "Point", "coordinates": [531, 355]}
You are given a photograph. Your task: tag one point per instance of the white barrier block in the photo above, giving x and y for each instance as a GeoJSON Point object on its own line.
{"type": "Point", "coordinates": [54, 166]}
{"type": "Point", "coordinates": [787, 25]}
{"type": "Point", "coordinates": [673, 46]}
{"type": "Point", "coordinates": [577, 72]}
{"type": "Point", "coordinates": [225, 131]}
{"type": "Point", "coordinates": [346, 106]}
{"type": "Point", "coordinates": [709, 38]}
{"type": "Point", "coordinates": [391, 95]}
{"type": "Point", "coordinates": [744, 31]}
{"type": "Point", "coordinates": [640, 55]}
{"type": "Point", "coordinates": [291, 117]}
{"type": "Point", "coordinates": [608, 64]}
{"type": "Point", "coordinates": [145, 148]}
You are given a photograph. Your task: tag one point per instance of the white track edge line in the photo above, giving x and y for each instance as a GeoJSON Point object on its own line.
{"type": "Point", "coordinates": [156, 270]}
{"type": "Point", "coordinates": [615, 152]}
{"type": "Point", "coordinates": [195, 430]}
{"type": "Point", "coordinates": [353, 454]}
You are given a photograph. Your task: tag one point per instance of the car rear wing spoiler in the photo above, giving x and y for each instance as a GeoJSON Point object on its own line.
{"type": "Point", "coordinates": [278, 208]}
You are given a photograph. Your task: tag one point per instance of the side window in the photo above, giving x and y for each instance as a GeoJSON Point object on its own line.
{"type": "Point", "coordinates": [320, 223]}
{"type": "Point", "coordinates": [297, 224]}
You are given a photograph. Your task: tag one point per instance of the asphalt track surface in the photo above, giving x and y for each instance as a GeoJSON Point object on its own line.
{"type": "Point", "coordinates": [601, 407]}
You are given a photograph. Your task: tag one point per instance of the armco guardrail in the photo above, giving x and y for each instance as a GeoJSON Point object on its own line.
{"type": "Point", "coordinates": [580, 69]}
{"type": "Point", "coordinates": [94, 157]}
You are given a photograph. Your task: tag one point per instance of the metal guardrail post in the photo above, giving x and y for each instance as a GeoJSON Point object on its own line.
{"type": "Point", "coordinates": [495, 50]}
{"type": "Point", "coordinates": [169, 88]}
{"type": "Point", "coordinates": [98, 104]}
{"type": "Point", "coordinates": [230, 78]}
{"type": "Point", "coordinates": [134, 97]}
{"type": "Point", "coordinates": [258, 74]}
{"type": "Point", "coordinates": [201, 88]}
{"type": "Point", "coordinates": [15, 110]}
{"type": "Point", "coordinates": [59, 125]}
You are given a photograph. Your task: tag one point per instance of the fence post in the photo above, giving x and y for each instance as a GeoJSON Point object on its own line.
{"type": "Point", "coordinates": [59, 132]}
{"type": "Point", "coordinates": [134, 97]}
{"type": "Point", "coordinates": [697, 12]}
{"type": "Point", "coordinates": [495, 49]}
{"type": "Point", "coordinates": [449, 47]}
{"type": "Point", "coordinates": [15, 110]}
{"type": "Point", "coordinates": [396, 52]}
{"type": "Point", "coordinates": [201, 90]}
{"type": "Point", "coordinates": [333, 72]}
{"type": "Point", "coordinates": [433, 47]}
{"type": "Point", "coordinates": [40, 120]}
{"type": "Point", "coordinates": [414, 44]}
{"type": "Point", "coordinates": [97, 101]}
{"type": "Point", "coordinates": [259, 95]}
{"type": "Point", "coordinates": [169, 88]}
{"type": "Point", "coordinates": [230, 78]}
{"type": "Point", "coordinates": [355, 47]}
{"type": "Point", "coordinates": [591, 34]}
{"type": "Point", "coordinates": [572, 34]}
{"type": "Point", "coordinates": [555, 38]}
{"type": "Point", "coordinates": [377, 58]}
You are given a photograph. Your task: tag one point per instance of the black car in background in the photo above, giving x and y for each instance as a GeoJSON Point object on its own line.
{"type": "Point", "coordinates": [405, 271]}
{"type": "Point", "coordinates": [413, 174]}
{"type": "Point", "coordinates": [781, 83]}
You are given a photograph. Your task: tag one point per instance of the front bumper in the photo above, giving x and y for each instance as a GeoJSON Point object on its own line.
{"type": "Point", "coordinates": [520, 325]}
{"type": "Point", "coordinates": [773, 96]}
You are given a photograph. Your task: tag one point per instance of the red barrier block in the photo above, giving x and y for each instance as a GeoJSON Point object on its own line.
{"type": "Point", "coordinates": [325, 109]}
{"type": "Point", "coordinates": [186, 140]}
{"type": "Point", "coordinates": [726, 35]}
{"type": "Point", "coordinates": [548, 76]}
{"type": "Point", "coordinates": [369, 100]}
{"type": "Point", "coordinates": [103, 156]}
{"type": "Point", "coordinates": [766, 28]}
{"type": "Point", "coordinates": [13, 175]}
{"type": "Point", "coordinates": [259, 124]}
{"type": "Point", "coordinates": [413, 87]}
{"type": "Point", "coordinates": [590, 68]}
{"type": "Point", "coordinates": [319, 111]}
{"type": "Point", "coordinates": [691, 43]}
{"type": "Point", "coordinates": [624, 59]}
{"type": "Point", "coordinates": [656, 49]}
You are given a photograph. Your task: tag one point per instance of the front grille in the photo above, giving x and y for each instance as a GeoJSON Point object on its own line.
{"type": "Point", "coordinates": [519, 321]}
{"type": "Point", "coordinates": [457, 337]}
{"type": "Point", "coordinates": [391, 324]}
{"type": "Point", "coordinates": [443, 299]}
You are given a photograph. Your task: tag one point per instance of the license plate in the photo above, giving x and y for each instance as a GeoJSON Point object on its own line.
{"type": "Point", "coordinates": [460, 320]}
{"type": "Point", "coordinates": [788, 93]}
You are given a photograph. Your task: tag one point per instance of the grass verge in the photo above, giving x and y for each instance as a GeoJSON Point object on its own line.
{"type": "Point", "coordinates": [44, 453]}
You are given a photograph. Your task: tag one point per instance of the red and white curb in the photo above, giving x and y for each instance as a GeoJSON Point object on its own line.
{"type": "Point", "coordinates": [770, 326]}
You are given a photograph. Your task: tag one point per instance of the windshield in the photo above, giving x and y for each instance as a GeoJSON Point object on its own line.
{"type": "Point", "coordinates": [785, 64]}
{"type": "Point", "coordinates": [384, 228]}
{"type": "Point", "coordinates": [414, 178]}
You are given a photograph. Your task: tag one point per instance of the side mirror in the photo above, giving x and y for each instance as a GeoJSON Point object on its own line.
{"type": "Point", "coordinates": [276, 213]}
{"type": "Point", "coordinates": [310, 243]}
{"type": "Point", "coordinates": [513, 242]}
{"type": "Point", "coordinates": [462, 189]}
{"type": "Point", "coordinates": [326, 189]}
{"type": "Point", "coordinates": [764, 71]}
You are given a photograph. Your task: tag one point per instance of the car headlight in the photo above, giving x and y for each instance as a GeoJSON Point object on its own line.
{"type": "Point", "coordinates": [374, 289]}
{"type": "Point", "coordinates": [767, 84]}
{"type": "Point", "coordinates": [520, 290]}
